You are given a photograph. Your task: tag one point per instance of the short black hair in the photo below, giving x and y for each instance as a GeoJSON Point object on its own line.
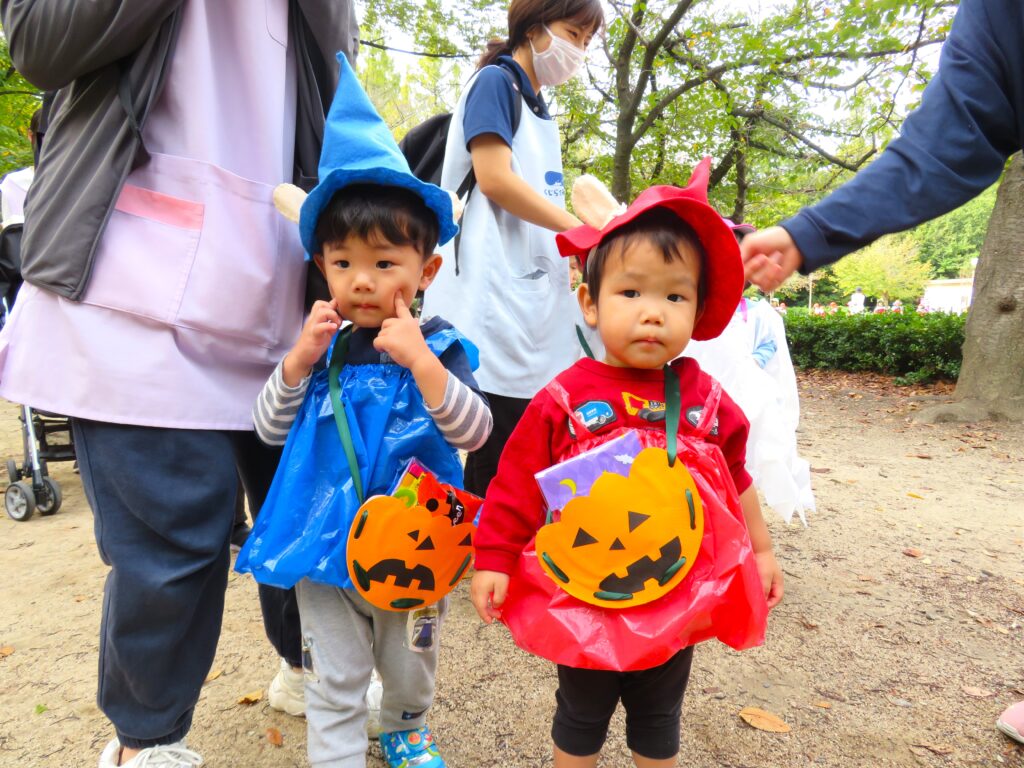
{"type": "Point", "coordinates": [662, 229]}
{"type": "Point", "coordinates": [397, 214]}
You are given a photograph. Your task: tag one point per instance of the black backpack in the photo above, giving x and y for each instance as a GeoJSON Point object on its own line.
{"type": "Point", "coordinates": [423, 146]}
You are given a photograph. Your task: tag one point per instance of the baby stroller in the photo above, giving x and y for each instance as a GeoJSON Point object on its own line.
{"type": "Point", "coordinates": [45, 436]}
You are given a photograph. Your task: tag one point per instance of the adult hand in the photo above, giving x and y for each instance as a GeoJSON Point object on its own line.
{"type": "Point", "coordinates": [769, 257]}
{"type": "Point", "coordinates": [313, 341]}
{"type": "Point", "coordinates": [487, 591]}
{"type": "Point", "coordinates": [400, 336]}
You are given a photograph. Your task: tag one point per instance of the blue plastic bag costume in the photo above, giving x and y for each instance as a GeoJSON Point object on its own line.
{"type": "Point", "coordinates": [302, 529]}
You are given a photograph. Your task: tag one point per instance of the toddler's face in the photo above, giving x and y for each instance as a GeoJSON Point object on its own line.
{"type": "Point", "coordinates": [364, 276]}
{"type": "Point", "coordinates": [647, 308]}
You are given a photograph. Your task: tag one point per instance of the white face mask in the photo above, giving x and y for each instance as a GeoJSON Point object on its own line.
{"type": "Point", "coordinates": [559, 62]}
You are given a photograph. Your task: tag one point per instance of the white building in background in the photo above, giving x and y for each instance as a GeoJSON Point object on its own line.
{"type": "Point", "coordinates": [948, 295]}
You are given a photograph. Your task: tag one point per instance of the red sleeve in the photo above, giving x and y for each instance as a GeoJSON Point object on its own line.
{"type": "Point", "coordinates": [514, 507]}
{"type": "Point", "coordinates": [733, 428]}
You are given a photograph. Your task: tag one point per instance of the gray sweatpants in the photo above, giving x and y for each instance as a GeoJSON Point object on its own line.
{"type": "Point", "coordinates": [344, 637]}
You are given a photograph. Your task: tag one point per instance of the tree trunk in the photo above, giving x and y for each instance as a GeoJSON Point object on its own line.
{"type": "Point", "coordinates": [991, 383]}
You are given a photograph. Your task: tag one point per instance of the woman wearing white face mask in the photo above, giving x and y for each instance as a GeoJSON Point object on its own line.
{"type": "Point", "coordinates": [503, 278]}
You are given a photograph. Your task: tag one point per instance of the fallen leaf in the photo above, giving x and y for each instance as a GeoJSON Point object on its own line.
{"type": "Point", "coordinates": [763, 721]}
{"type": "Point", "coordinates": [990, 554]}
{"type": "Point", "coordinates": [935, 749]}
{"type": "Point", "coordinates": [807, 624]}
{"type": "Point", "coordinates": [912, 552]}
{"type": "Point", "coordinates": [821, 470]}
{"type": "Point", "coordinates": [915, 496]}
{"type": "Point", "coordinates": [712, 689]}
{"type": "Point", "coordinates": [274, 737]}
{"type": "Point", "coordinates": [40, 708]}
{"type": "Point", "coordinates": [978, 693]}
{"type": "Point", "coordinates": [989, 624]}
{"type": "Point", "coordinates": [871, 579]}
{"type": "Point", "coordinates": [251, 698]}
{"type": "Point", "coordinates": [6, 651]}
{"type": "Point", "coordinates": [214, 674]}
{"type": "Point", "coordinates": [823, 704]}
{"type": "Point", "coordinates": [80, 598]}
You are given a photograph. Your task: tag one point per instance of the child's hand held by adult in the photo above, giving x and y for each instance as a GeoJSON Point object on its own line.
{"type": "Point", "coordinates": [321, 325]}
{"type": "Point", "coordinates": [487, 591]}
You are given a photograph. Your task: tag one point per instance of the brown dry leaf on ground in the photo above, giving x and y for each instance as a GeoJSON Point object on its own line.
{"type": "Point", "coordinates": [912, 552]}
{"type": "Point", "coordinates": [977, 693]}
{"type": "Point", "coordinates": [274, 737]}
{"type": "Point", "coordinates": [935, 749]}
{"type": "Point", "coordinates": [763, 720]}
{"type": "Point", "coordinates": [6, 651]}
{"type": "Point", "coordinates": [214, 674]}
{"type": "Point", "coordinates": [251, 698]}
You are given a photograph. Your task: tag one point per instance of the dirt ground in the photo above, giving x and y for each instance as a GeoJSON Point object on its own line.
{"type": "Point", "coordinates": [898, 643]}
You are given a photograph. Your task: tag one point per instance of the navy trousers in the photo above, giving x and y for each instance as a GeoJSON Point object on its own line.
{"type": "Point", "coordinates": [163, 502]}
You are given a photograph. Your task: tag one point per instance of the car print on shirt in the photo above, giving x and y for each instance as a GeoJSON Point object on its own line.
{"type": "Point", "coordinates": [594, 414]}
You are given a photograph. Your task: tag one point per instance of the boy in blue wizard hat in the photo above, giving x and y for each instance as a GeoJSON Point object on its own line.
{"type": "Point", "coordinates": [402, 389]}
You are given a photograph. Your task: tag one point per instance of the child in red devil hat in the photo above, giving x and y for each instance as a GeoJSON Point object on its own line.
{"type": "Point", "coordinates": [661, 272]}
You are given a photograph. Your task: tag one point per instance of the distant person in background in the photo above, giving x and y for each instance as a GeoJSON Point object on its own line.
{"type": "Point", "coordinates": [897, 306]}
{"type": "Point", "coordinates": [15, 184]}
{"type": "Point", "coordinates": [856, 302]}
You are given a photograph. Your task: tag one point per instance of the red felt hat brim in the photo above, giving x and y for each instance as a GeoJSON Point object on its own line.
{"type": "Point", "coordinates": [724, 265]}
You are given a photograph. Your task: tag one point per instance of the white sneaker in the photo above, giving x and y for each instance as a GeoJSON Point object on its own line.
{"type": "Point", "coordinates": [374, 695]}
{"type": "Point", "coordinates": [164, 756]}
{"type": "Point", "coordinates": [287, 691]}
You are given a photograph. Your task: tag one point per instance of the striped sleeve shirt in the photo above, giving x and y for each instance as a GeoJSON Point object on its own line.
{"type": "Point", "coordinates": [463, 416]}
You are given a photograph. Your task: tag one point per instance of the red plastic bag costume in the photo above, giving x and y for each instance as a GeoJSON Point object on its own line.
{"type": "Point", "coordinates": [720, 597]}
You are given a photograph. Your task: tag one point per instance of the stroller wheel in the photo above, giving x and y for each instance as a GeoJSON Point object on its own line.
{"type": "Point", "coordinates": [12, 471]}
{"type": "Point", "coordinates": [50, 498]}
{"type": "Point", "coordinates": [19, 501]}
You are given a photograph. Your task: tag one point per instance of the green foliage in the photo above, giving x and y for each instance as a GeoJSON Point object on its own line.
{"type": "Point", "coordinates": [888, 268]}
{"type": "Point", "coordinates": [949, 243]}
{"type": "Point", "coordinates": [914, 347]}
{"type": "Point", "coordinates": [18, 100]}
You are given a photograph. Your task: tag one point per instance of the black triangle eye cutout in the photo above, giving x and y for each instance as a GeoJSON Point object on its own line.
{"type": "Point", "coordinates": [635, 518]}
{"type": "Point", "coordinates": [583, 538]}
{"type": "Point", "coordinates": [617, 545]}
{"type": "Point", "coordinates": [468, 541]}
{"type": "Point", "coordinates": [428, 543]}
{"type": "Point", "coordinates": [414, 535]}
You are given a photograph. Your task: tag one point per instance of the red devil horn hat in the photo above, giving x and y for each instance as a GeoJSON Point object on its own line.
{"type": "Point", "coordinates": [690, 203]}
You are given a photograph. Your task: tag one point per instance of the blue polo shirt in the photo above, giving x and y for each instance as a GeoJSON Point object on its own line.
{"type": "Point", "coordinates": [490, 103]}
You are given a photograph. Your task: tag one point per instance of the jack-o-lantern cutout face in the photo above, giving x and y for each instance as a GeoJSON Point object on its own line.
{"type": "Point", "coordinates": [631, 540]}
{"type": "Point", "coordinates": [403, 557]}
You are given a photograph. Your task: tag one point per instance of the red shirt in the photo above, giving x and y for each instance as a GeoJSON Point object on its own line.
{"type": "Point", "coordinates": [606, 399]}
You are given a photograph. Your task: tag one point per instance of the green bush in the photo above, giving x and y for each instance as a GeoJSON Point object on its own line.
{"type": "Point", "coordinates": [914, 347]}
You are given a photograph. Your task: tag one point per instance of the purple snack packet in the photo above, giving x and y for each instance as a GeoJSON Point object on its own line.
{"type": "Point", "coordinates": [576, 476]}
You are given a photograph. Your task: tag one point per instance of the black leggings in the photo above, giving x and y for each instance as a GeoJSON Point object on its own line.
{"type": "Point", "coordinates": [652, 698]}
{"type": "Point", "coordinates": [482, 464]}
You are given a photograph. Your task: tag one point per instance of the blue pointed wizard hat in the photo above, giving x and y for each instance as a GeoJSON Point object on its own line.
{"type": "Point", "coordinates": [359, 148]}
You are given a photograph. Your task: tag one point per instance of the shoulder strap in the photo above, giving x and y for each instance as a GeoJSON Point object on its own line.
{"type": "Point", "coordinates": [338, 355]}
{"type": "Point", "coordinates": [469, 182]}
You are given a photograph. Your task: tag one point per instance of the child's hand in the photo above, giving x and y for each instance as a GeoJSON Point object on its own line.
{"type": "Point", "coordinates": [771, 577]}
{"type": "Point", "coordinates": [315, 338]}
{"type": "Point", "coordinates": [487, 591]}
{"type": "Point", "coordinates": [400, 336]}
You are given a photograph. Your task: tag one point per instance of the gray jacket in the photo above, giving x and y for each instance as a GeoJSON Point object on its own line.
{"type": "Point", "coordinates": [107, 60]}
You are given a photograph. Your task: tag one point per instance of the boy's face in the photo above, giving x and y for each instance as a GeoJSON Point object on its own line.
{"type": "Point", "coordinates": [647, 308]}
{"type": "Point", "coordinates": [364, 276]}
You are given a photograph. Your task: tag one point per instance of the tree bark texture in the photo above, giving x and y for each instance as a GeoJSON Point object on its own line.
{"type": "Point", "coordinates": [993, 366]}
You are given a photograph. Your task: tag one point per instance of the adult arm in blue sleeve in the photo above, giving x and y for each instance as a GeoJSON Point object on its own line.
{"type": "Point", "coordinates": [952, 147]}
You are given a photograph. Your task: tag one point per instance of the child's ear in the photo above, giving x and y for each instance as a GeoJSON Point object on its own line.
{"type": "Point", "coordinates": [430, 269]}
{"type": "Point", "coordinates": [319, 259]}
{"type": "Point", "coordinates": [587, 304]}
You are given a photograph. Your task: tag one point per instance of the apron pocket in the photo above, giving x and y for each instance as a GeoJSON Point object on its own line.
{"type": "Point", "coordinates": [129, 273]}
